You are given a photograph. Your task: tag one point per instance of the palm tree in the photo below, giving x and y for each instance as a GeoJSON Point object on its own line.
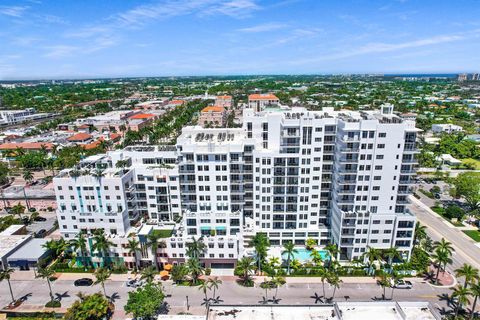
{"type": "Point", "coordinates": [274, 262]}
{"type": "Point", "coordinates": [391, 254]}
{"type": "Point", "coordinates": [441, 258]}
{"type": "Point", "coordinates": [290, 252]}
{"type": "Point", "coordinates": [195, 269]}
{"type": "Point", "coordinates": [444, 245]}
{"type": "Point", "coordinates": [384, 283]}
{"type": "Point", "coordinates": [277, 282]}
{"type": "Point", "coordinates": [261, 243]}
{"type": "Point", "coordinates": [332, 250]}
{"type": "Point", "coordinates": [102, 275]}
{"type": "Point", "coordinates": [334, 281]}
{"type": "Point", "coordinates": [18, 209]}
{"type": "Point", "coordinates": [214, 283]}
{"type": "Point", "coordinates": [204, 287]}
{"type": "Point", "coordinates": [133, 246]}
{"type": "Point", "coordinates": [245, 268]}
{"type": "Point", "coordinates": [80, 243]}
{"type": "Point", "coordinates": [461, 295]}
{"type": "Point", "coordinates": [419, 233]}
{"type": "Point", "coordinates": [5, 275]}
{"type": "Point", "coordinates": [195, 248]}
{"type": "Point", "coordinates": [101, 244]}
{"type": "Point", "coordinates": [371, 255]}
{"type": "Point", "coordinates": [316, 257]}
{"type": "Point", "coordinates": [46, 273]}
{"type": "Point", "coordinates": [324, 274]}
{"type": "Point", "coordinates": [57, 247]}
{"type": "Point", "coordinates": [154, 242]}
{"type": "Point", "coordinates": [28, 176]}
{"type": "Point", "coordinates": [474, 291]}
{"type": "Point", "coordinates": [149, 274]}
{"type": "Point", "coordinates": [470, 273]}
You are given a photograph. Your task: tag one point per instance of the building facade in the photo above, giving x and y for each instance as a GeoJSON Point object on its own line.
{"type": "Point", "coordinates": [338, 177]}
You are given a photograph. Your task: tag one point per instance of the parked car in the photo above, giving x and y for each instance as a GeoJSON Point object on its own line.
{"type": "Point", "coordinates": [403, 284]}
{"type": "Point", "coordinates": [40, 233]}
{"type": "Point", "coordinates": [134, 283]}
{"type": "Point", "coordinates": [83, 282]}
{"type": "Point", "coordinates": [39, 219]}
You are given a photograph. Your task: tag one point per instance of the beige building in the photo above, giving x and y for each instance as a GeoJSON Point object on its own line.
{"type": "Point", "coordinates": [224, 101]}
{"type": "Point", "coordinates": [212, 116]}
{"type": "Point", "coordinates": [258, 102]}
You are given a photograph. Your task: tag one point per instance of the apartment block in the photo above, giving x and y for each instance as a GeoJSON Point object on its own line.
{"type": "Point", "coordinates": [334, 176]}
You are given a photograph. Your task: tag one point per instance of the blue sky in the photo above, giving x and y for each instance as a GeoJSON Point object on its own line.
{"type": "Point", "coordinates": [110, 38]}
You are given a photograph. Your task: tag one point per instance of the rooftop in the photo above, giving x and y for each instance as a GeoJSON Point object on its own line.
{"type": "Point", "coordinates": [32, 250]}
{"type": "Point", "coordinates": [142, 116]}
{"type": "Point", "coordinates": [213, 109]}
{"type": "Point", "coordinates": [262, 96]}
{"type": "Point", "coordinates": [26, 146]}
{"type": "Point", "coordinates": [81, 136]}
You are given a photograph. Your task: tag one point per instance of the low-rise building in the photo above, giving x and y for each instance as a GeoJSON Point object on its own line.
{"type": "Point", "coordinates": [446, 128]}
{"type": "Point", "coordinates": [212, 116]}
{"type": "Point", "coordinates": [8, 117]}
{"type": "Point", "coordinates": [258, 102]}
{"type": "Point", "coordinates": [224, 101]}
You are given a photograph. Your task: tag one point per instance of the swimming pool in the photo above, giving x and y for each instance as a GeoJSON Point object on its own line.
{"type": "Point", "coordinates": [303, 255]}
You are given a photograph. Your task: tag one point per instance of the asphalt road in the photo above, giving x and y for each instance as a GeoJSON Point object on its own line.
{"type": "Point", "coordinates": [465, 249]}
{"type": "Point", "coordinates": [229, 292]}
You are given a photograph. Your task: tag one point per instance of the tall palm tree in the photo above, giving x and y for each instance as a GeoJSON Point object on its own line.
{"type": "Point", "coordinates": [18, 210]}
{"type": "Point", "coordinates": [372, 255]}
{"type": "Point", "coordinates": [444, 245]}
{"type": "Point", "coordinates": [277, 282]}
{"type": "Point", "coordinates": [214, 283]}
{"type": "Point", "coordinates": [102, 275]}
{"type": "Point", "coordinates": [289, 250]}
{"type": "Point", "coordinates": [261, 244]}
{"type": "Point", "coordinates": [154, 242]}
{"type": "Point", "coordinates": [460, 294]}
{"type": "Point", "coordinates": [475, 292]}
{"type": "Point", "coordinates": [195, 248]}
{"type": "Point", "coordinates": [195, 269]}
{"type": "Point", "coordinates": [334, 281]}
{"type": "Point", "coordinates": [333, 251]}
{"type": "Point", "coordinates": [419, 233]}
{"type": "Point", "coordinates": [441, 258]}
{"type": "Point", "coordinates": [149, 274]}
{"type": "Point", "coordinates": [391, 254]}
{"type": "Point", "coordinates": [470, 273]}
{"type": "Point", "coordinates": [46, 273]}
{"type": "Point", "coordinates": [101, 244]}
{"type": "Point", "coordinates": [133, 246]}
{"type": "Point", "coordinates": [80, 243]}
{"type": "Point", "coordinates": [204, 287]}
{"type": "Point", "coordinates": [323, 273]}
{"type": "Point", "coordinates": [5, 275]}
{"type": "Point", "coordinates": [316, 257]}
{"type": "Point", "coordinates": [57, 247]}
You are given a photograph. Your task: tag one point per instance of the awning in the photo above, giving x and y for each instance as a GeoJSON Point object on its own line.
{"type": "Point", "coordinates": [220, 228]}
{"type": "Point", "coordinates": [205, 228]}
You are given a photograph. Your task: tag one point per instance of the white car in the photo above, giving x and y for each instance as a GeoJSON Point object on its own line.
{"type": "Point", "coordinates": [403, 284]}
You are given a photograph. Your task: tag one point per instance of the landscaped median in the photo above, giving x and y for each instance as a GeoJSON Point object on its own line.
{"type": "Point", "coordinates": [474, 234]}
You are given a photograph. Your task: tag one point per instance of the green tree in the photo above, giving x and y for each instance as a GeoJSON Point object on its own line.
{"type": "Point", "coordinates": [392, 254]}
{"type": "Point", "coordinates": [460, 294]}
{"type": "Point", "coordinates": [419, 233]}
{"type": "Point", "coordinates": [245, 269]}
{"type": "Point", "coordinates": [102, 245]}
{"type": "Point", "coordinates": [46, 273]}
{"type": "Point", "coordinates": [260, 243]}
{"type": "Point", "coordinates": [470, 273]}
{"type": "Point", "coordinates": [214, 283]}
{"type": "Point", "coordinates": [5, 275]}
{"type": "Point", "coordinates": [334, 281]}
{"type": "Point", "coordinates": [28, 176]}
{"type": "Point", "coordinates": [323, 273]}
{"type": "Point", "coordinates": [18, 210]}
{"type": "Point", "coordinates": [195, 269]}
{"type": "Point", "coordinates": [467, 185]}
{"type": "Point", "coordinates": [441, 258]}
{"type": "Point", "coordinates": [475, 292]}
{"type": "Point", "coordinates": [204, 287]}
{"type": "Point", "coordinates": [149, 274]}
{"type": "Point", "coordinates": [454, 212]}
{"type": "Point", "coordinates": [179, 272]}
{"type": "Point", "coordinates": [90, 307]}
{"type": "Point", "coordinates": [333, 251]}
{"type": "Point", "coordinates": [80, 243]}
{"type": "Point", "coordinates": [195, 248]}
{"type": "Point", "coordinates": [102, 275]}
{"type": "Point", "coordinates": [133, 247]}
{"type": "Point", "coordinates": [310, 243]}
{"type": "Point", "coordinates": [56, 247]}
{"type": "Point", "coordinates": [370, 256]}
{"type": "Point", "coordinates": [289, 250]}
{"type": "Point", "coordinates": [154, 242]}
{"type": "Point", "coordinates": [145, 301]}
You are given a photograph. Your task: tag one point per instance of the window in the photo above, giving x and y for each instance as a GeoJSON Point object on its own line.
{"type": "Point", "coordinates": [381, 146]}
{"type": "Point", "coordinates": [382, 135]}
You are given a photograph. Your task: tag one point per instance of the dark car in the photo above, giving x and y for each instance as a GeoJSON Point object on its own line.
{"type": "Point", "coordinates": [39, 219]}
{"type": "Point", "coordinates": [40, 233]}
{"type": "Point", "coordinates": [84, 282]}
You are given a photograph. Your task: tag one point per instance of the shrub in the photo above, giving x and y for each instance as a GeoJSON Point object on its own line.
{"type": "Point", "coordinates": [454, 212]}
{"type": "Point", "coordinates": [53, 304]}
{"type": "Point", "coordinates": [208, 271]}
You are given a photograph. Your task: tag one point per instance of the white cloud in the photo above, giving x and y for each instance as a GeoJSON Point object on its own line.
{"type": "Point", "coordinates": [263, 27]}
{"type": "Point", "coordinates": [13, 11]}
{"type": "Point", "coordinates": [60, 51]}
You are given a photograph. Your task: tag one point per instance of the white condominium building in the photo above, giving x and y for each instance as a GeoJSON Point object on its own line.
{"type": "Point", "coordinates": [334, 176]}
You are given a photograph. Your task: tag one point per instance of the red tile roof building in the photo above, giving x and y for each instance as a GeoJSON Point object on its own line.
{"type": "Point", "coordinates": [212, 116]}
{"type": "Point", "coordinates": [259, 101]}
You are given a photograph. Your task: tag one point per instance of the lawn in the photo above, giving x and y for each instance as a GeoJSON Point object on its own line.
{"type": "Point", "coordinates": [164, 233]}
{"type": "Point", "coordinates": [474, 234]}
{"type": "Point", "coordinates": [469, 162]}
{"type": "Point", "coordinates": [441, 211]}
